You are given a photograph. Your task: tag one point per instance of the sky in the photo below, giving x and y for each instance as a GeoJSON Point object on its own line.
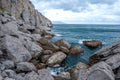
{"type": "Point", "coordinates": [80, 11]}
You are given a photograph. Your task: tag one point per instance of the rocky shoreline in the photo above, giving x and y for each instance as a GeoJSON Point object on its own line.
{"type": "Point", "coordinates": [26, 52]}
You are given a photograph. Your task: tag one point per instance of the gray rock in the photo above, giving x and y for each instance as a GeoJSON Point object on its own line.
{"type": "Point", "coordinates": [105, 53]}
{"type": "Point", "coordinates": [64, 75]}
{"type": "Point", "coordinates": [10, 28]}
{"type": "Point", "coordinates": [8, 78]}
{"type": "Point", "coordinates": [44, 75]}
{"type": "Point", "coordinates": [36, 37]}
{"type": "Point", "coordinates": [8, 64]}
{"type": "Point", "coordinates": [47, 52]}
{"type": "Point", "coordinates": [32, 76]}
{"type": "Point", "coordinates": [1, 78]}
{"type": "Point", "coordinates": [56, 58]}
{"type": "Point", "coordinates": [50, 46]}
{"type": "Point", "coordinates": [64, 49]}
{"type": "Point", "coordinates": [8, 73]}
{"type": "Point", "coordinates": [33, 48]}
{"type": "Point", "coordinates": [63, 43]}
{"type": "Point", "coordinates": [14, 49]}
{"type": "Point", "coordinates": [44, 58]}
{"type": "Point", "coordinates": [99, 71]}
{"type": "Point", "coordinates": [114, 61]}
{"type": "Point", "coordinates": [25, 66]}
{"type": "Point", "coordinates": [2, 67]}
{"type": "Point", "coordinates": [1, 53]}
{"type": "Point", "coordinates": [117, 77]}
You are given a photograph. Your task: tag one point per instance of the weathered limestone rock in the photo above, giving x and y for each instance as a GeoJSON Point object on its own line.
{"type": "Point", "coordinates": [64, 49]}
{"type": "Point", "coordinates": [64, 75]}
{"type": "Point", "coordinates": [44, 75]}
{"type": "Point", "coordinates": [25, 66]}
{"type": "Point", "coordinates": [14, 49]}
{"type": "Point", "coordinates": [63, 43]}
{"type": "Point", "coordinates": [92, 43]}
{"type": "Point", "coordinates": [99, 71]}
{"type": "Point", "coordinates": [56, 58]}
{"type": "Point", "coordinates": [76, 50]}
{"type": "Point", "coordinates": [33, 48]}
{"type": "Point", "coordinates": [114, 61]}
{"type": "Point", "coordinates": [31, 76]}
{"type": "Point", "coordinates": [8, 64]}
{"type": "Point", "coordinates": [47, 52]}
{"type": "Point", "coordinates": [50, 46]}
{"type": "Point", "coordinates": [109, 54]}
{"type": "Point", "coordinates": [79, 68]}
{"type": "Point", "coordinates": [117, 77]}
{"type": "Point", "coordinates": [8, 73]}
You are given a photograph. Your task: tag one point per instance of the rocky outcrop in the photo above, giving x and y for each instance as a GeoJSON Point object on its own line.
{"type": "Point", "coordinates": [25, 11]}
{"type": "Point", "coordinates": [109, 54]}
{"type": "Point", "coordinates": [92, 43]}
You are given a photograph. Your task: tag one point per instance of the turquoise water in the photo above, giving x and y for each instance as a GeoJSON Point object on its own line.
{"type": "Point", "coordinates": [76, 33]}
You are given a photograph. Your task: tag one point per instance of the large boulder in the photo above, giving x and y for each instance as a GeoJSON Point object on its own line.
{"type": "Point", "coordinates": [79, 68]}
{"type": "Point", "coordinates": [63, 43]}
{"type": "Point", "coordinates": [8, 64]}
{"type": "Point", "coordinates": [76, 50]}
{"type": "Point", "coordinates": [99, 71]}
{"type": "Point", "coordinates": [110, 54]}
{"type": "Point", "coordinates": [42, 74]}
{"type": "Point", "coordinates": [25, 66]}
{"type": "Point", "coordinates": [92, 43]}
{"type": "Point", "coordinates": [56, 58]}
{"type": "Point", "coordinates": [14, 49]}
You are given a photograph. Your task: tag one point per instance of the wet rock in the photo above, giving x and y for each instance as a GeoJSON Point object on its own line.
{"type": "Point", "coordinates": [81, 65]}
{"type": "Point", "coordinates": [76, 50]}
{"type": "Point", "coordinates": [92, 43]}
{"type": "Point", "coordinates": [25, 66]}
{"type": "Point", "coordinates": [14, 49]}
{"type": "Point", "coordinates": [8, 64]}
{"type": "Point", "coordinates": [56, 58]}
{"type": "Point", "coordinates": [63, 43]}
{"type": "Point", "coordinates": [64, 75]}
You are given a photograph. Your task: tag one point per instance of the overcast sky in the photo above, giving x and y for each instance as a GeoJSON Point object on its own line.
{"type": "Point", "coordinates": [80, 11]}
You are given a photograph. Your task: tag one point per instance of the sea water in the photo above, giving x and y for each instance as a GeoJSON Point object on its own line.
{"type": "Point", "coordinates": [76, 33]}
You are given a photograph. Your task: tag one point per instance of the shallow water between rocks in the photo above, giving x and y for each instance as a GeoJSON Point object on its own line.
{"type": "Point", "coordinates": [76, 33]}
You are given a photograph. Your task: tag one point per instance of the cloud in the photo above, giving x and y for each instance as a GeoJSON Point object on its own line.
{"type": "Point", "coordinates": [80, 11]}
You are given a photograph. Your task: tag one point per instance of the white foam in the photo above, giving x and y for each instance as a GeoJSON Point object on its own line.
{"type": "Point", "coordinates": [58, 35]}
{"type": "Point", "coordinates": [81, 41]}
